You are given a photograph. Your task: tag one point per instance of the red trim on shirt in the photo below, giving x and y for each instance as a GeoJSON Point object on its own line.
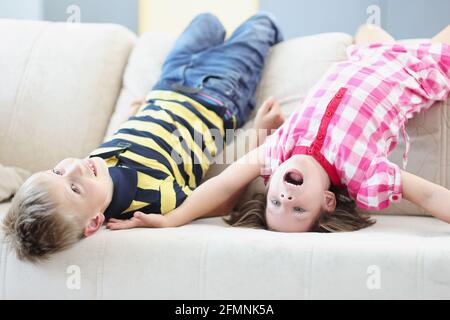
{"type": "Point", "coordinates": [316, 145]}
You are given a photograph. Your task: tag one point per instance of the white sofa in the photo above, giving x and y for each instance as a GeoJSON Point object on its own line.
{"type": "Point", "coordinates": [64, 87]}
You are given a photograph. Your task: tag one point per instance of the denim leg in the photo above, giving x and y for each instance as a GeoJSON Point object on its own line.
{"type": "Point", "coordinates": [205, 31]}
{"type": "Point", "coordinates": [231, 71]}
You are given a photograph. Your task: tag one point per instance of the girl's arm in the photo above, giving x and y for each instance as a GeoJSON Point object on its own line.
{"type": "Point", "coordinates": [433, 198]}
{"type": "Point", "coordinates": [220, 190]}
{"type": "Point", "coordinates": [209, 196]}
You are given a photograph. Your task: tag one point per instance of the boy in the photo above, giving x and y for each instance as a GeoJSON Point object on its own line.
{"type": "Point", "coordinates": [159, 156]}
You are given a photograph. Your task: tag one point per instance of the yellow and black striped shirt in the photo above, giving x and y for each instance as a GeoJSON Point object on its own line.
{"type": "Point", "coordinates": [160, 154]}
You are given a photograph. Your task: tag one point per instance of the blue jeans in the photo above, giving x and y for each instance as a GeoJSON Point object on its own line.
{"type": "Point", "coordinates": [222, 75]}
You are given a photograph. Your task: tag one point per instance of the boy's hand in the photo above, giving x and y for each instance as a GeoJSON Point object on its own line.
{"type": "Point", "coordinates": [269, 116]}
{"type": "Point", "coordinates": [140, 220]}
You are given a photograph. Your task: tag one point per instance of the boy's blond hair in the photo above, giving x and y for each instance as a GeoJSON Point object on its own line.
{"type": "Point", "coordinates": [36, 226]}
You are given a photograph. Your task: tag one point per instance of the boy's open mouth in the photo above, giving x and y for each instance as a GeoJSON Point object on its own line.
{"type": "Point", "coordinates": [293, 177]}
{"type": "Point", "coordinates": [91, 166]}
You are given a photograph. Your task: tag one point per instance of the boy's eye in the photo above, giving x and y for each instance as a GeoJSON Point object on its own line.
{"type": "Point", "coordinates": [57, 171]}
{"type": "Point", "coordinates": [275, 202]}
{"type": "Point", "coordinates": [75, 189]}
{"type": "Point", "coordinates": [298, 210]}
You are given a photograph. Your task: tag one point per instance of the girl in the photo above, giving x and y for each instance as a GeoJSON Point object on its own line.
{"type": "Point", "coordinates": [331, 155]}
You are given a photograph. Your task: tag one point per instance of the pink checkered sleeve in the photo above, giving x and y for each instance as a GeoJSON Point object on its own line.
{"type": "Point", "coordinates": [433, 69]}
{"type": "Point", "coordinates": [439, 53]}
{"type": "Point", "coordinates": [382, 185]}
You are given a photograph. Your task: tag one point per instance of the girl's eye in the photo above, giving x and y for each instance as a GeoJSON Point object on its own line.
{"type": "Point", "coordinates": [298, 210]}
{"type": "Point", "coordinates": [57, 171]}
{"type": "Point", "coordinates": [275, 202]}
{"type": "Point", "coordinates": [75, 189]}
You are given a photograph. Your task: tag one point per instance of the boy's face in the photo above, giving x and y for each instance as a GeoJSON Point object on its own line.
{"type": "Point", "coordinates": [82, 186]}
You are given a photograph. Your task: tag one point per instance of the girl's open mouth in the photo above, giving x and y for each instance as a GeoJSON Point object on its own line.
{"type": "Point", "coordinates": [293, 177]}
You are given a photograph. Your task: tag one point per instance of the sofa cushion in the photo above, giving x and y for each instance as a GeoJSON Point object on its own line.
{"type": "Point", "coordinates": [294, 66]}
{"type": "Point", "coordinates": [60, 83]}
{"type": "Point", "coordinates": [10, 180]}
{"type": "Point", "coordinates": [142, 72]}
{"type": "Point", "coordinates": [397, 258]}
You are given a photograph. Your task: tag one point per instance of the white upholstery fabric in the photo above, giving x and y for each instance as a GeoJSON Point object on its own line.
{"type": "Point", "coordinates": [142, 72]}
{"type": "Point", "coordinates": [10, 180]}
{"type": "Point", "coordinates": [400, 257]}
{"type": "Point", "coordinates": [295, 65]}
{"type": "Point", "coordinates": [397, 258]}
{"type": "Point", "coordinates": [60, 82]}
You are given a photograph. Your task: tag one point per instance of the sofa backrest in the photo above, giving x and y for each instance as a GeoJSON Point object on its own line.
{"type": "Point", "coordinates": [142, 72]}
{"type": "Point", "coordinates": [59, 85]}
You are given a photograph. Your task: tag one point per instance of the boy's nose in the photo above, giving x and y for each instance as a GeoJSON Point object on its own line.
{"type": "Point", "coordinates": [76, 169]}
{"type": "Point", "coordinates": [285, 196]}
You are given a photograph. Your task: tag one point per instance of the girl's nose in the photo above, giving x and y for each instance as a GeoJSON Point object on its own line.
{"type": "Point", "coordinates": [286, 196]}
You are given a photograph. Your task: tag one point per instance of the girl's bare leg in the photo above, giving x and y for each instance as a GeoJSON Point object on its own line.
{"type": "Point", "coordinates": [443, 36]}
{"type": "Point", "coordinates": [369, 33]}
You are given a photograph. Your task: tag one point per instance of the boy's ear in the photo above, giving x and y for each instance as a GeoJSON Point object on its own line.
{"type": "Point", "coordinates": [330, 201]}
{"type": "Point", "coordinates": [94, 224]}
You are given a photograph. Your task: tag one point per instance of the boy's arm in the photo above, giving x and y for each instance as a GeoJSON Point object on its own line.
{"type": "Point", "coordinates": [209, 196]}
{"type": "Point", "coordinates": [433, 198]}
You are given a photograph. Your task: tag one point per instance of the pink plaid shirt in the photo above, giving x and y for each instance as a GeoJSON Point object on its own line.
{"type": "Point", "coordinates": [351, 119]}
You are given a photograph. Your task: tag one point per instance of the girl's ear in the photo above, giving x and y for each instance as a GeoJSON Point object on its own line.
{"type": "Point", "coordinates": [330, 201]}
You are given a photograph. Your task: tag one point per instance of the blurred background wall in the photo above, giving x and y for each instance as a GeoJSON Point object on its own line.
{"type": "Point", "coordinates": [402, 18]}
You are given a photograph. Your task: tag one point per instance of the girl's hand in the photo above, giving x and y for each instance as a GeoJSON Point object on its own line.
{"type": "Point", "coordinates": [140, 220]}
{"type": "Point", "coordinates": [269, 116]}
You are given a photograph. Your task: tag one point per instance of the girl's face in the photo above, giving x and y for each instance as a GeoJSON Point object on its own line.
{"type": "Point", "coordinates": [298, 194]}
